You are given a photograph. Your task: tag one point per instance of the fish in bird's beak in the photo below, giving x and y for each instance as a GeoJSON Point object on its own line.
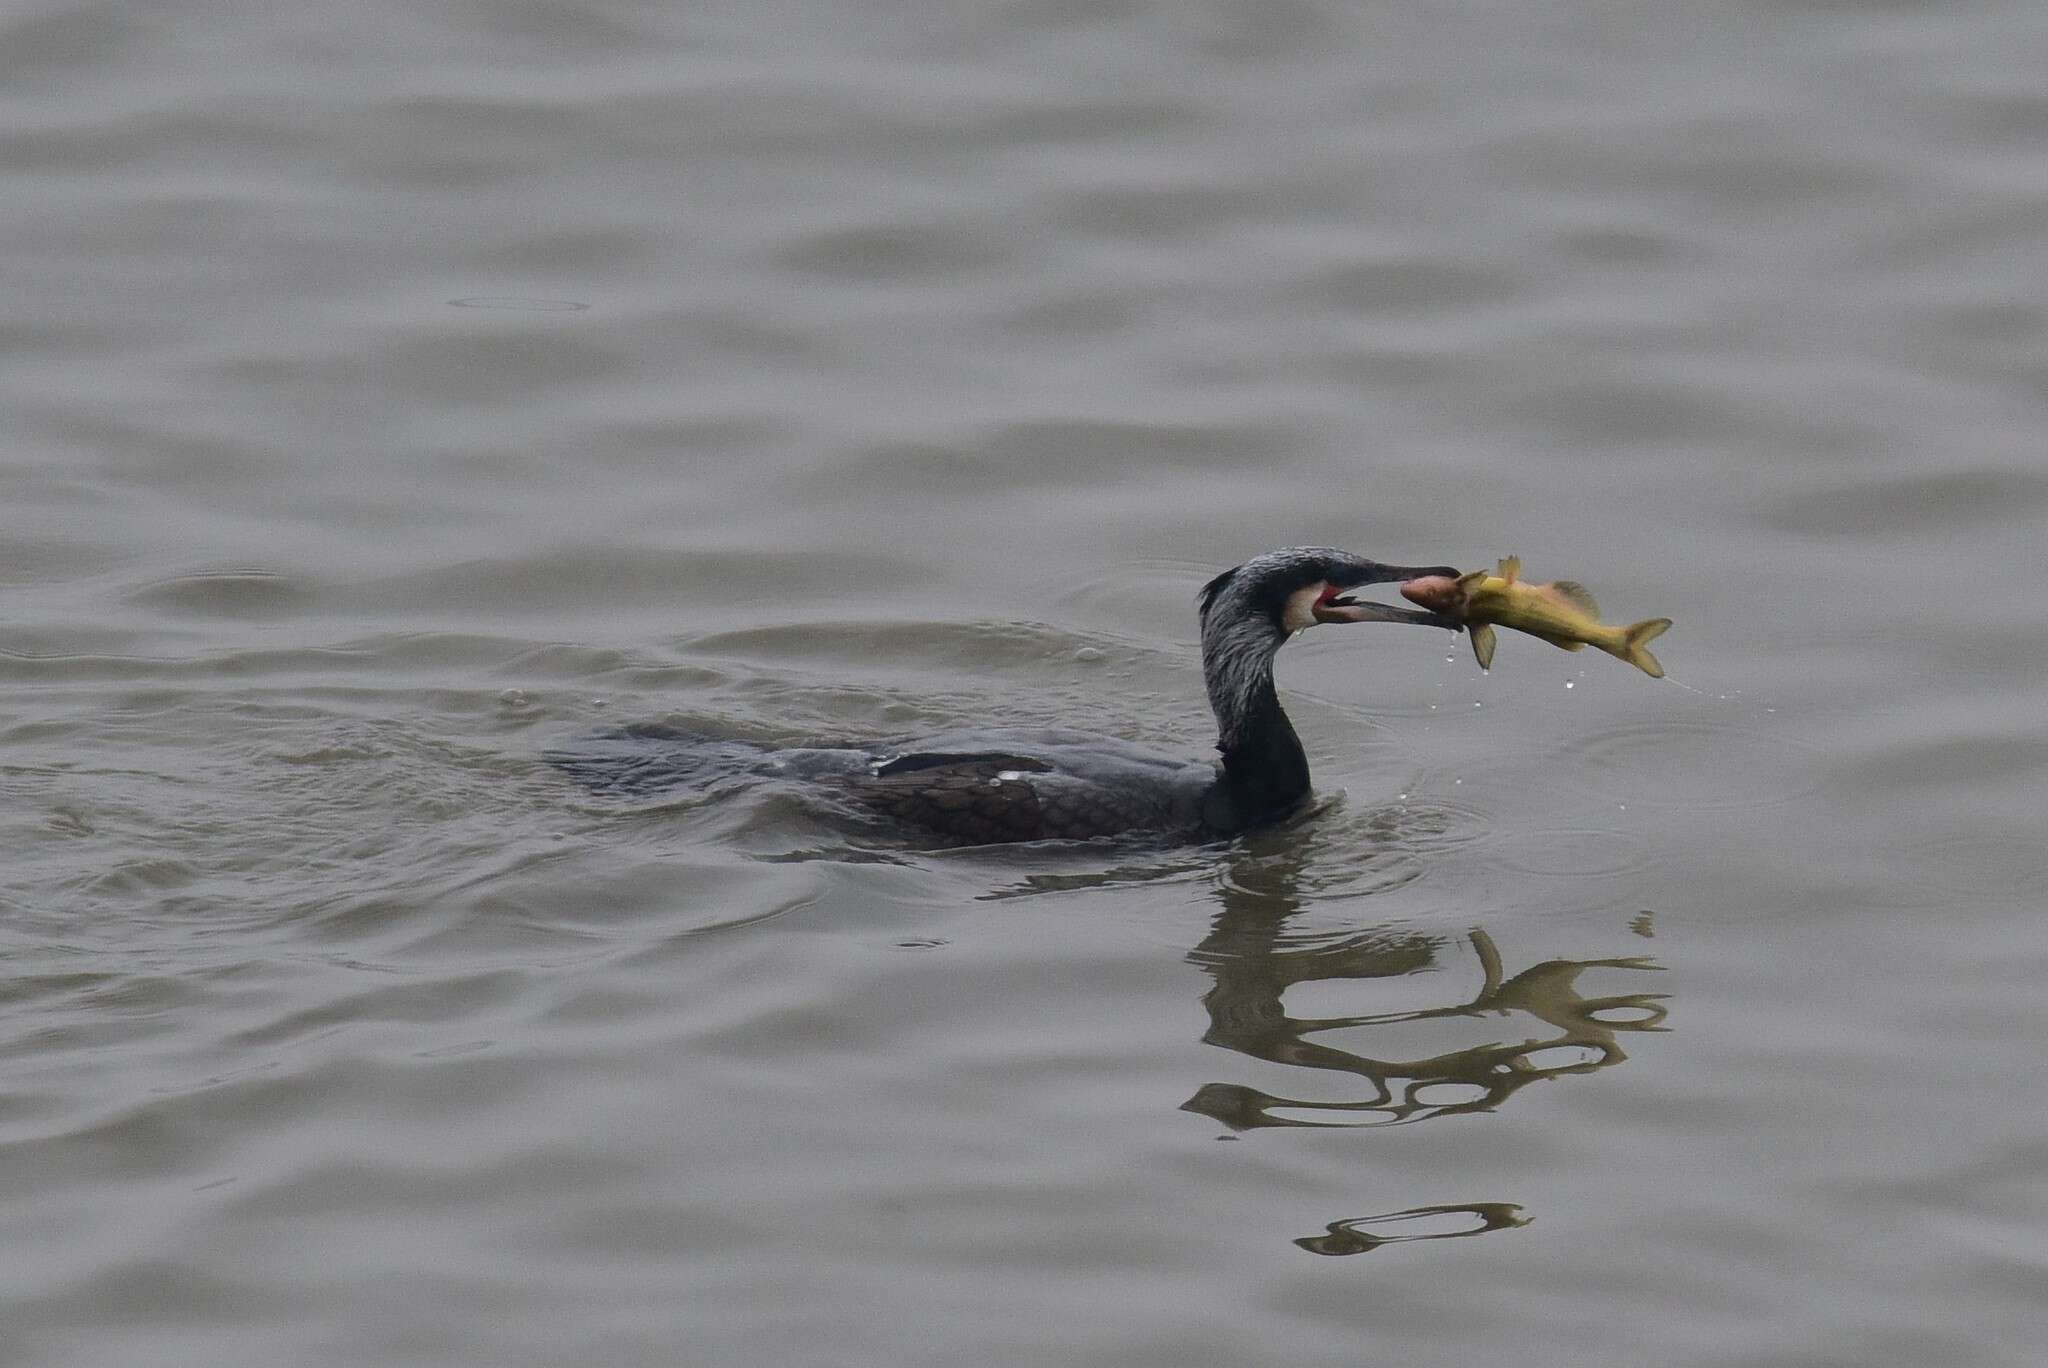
{"type": "Point", "coordinates": [1562, 613]}
{"type": "Point", "coordinates": [1333, 602]}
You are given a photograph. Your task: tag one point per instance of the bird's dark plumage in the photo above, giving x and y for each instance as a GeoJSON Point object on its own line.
{"type": "Point", "coordinates": [986, 787]}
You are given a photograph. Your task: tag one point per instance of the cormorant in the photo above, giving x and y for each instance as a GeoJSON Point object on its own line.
{"type": "Point", "coordinates": [982, 787]}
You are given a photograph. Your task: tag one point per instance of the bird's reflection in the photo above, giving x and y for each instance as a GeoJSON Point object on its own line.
{"type": "Point", "coordinates": [1363, 1234]}
{"type": "Point", "coordinates": [1542, 1025]}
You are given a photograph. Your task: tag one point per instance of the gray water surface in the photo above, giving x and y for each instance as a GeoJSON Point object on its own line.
{"type": "Point", "coordinates": [393, 394]}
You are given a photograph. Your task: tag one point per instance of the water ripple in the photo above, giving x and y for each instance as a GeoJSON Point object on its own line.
{"type": "Point", "coordinates": [1697, 766]}
{"type": "Point", "coordinates": [1915, 504]}
{"type": "Point", "coordinates": [1363, 1234]}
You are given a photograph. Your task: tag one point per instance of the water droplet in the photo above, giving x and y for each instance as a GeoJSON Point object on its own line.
{"type": "Point", "coordinates": [1568, 683]}
{"type": "Point", "coordinates": [512, 698]}
{"type": "Point", "coordinates": [1088, 654]}
{"type": "Point", "coordinates": [597, 702]}
{"type": "Point", "coordinates": [1450, 660]}
{"type": "Point", "coordinates": [1404, 797]}
{"type": "Point", "coordinates": [1478, 704]}
{"type": "Point", "coordinates": [1432, 707]}
{"type": "Point", "coordinates": [1457, 781]}
{"type": "Point", "coordinates": [1622, 806]}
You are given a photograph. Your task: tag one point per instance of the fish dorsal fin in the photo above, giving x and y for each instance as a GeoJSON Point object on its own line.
{"type": "Point", "coordinates": [1576, 594]}
{"type": "Point", "coordinates": [1472, 580]}
{"type": "Point", "coordinates": [1510, 568]}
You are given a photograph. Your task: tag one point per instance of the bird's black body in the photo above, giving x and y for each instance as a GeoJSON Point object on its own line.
{"type": "Point", "coordinates": [985, 787]}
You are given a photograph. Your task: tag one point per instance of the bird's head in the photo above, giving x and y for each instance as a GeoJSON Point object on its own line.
{"type": "Point", "coordinates": [1284, 592]}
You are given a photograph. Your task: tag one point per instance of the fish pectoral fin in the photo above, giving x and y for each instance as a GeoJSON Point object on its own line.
{"type": "Point", "coordinates": [1471, 580]}
{"type": "Point", "coordinates": [1483, 642]}
{"type": "Point", "coordinates": [1576, 594]}
{"type": "Point", "coordinates": [1510, 568]}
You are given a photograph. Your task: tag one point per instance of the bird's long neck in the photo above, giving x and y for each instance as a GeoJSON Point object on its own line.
{"type": "Point", "coordinates": [1265, 770]}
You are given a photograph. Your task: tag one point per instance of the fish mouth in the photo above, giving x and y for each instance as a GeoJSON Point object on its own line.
{"type": "Point", "coordinates": [1343, 607]}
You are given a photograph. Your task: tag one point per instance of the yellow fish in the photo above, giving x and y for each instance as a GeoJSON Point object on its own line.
{"type": "Point", "coordinates": [1563, 614]}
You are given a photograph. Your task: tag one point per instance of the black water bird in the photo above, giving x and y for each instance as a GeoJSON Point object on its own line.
{"type": "Point", "coordinates": [988, 786]}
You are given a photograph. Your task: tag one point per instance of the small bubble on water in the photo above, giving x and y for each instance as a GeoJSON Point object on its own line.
{"type": "Point", "coordinates": [1403, 797]}
{"type": "Point", "coordinates": [1088, 655]}
{"type": "Point", "coordinates": [1457, 781]}
{"type": "Point", "coordinates": [1432, 707]}
{"type": "Point", "coordinates": [1450, 660]}
{"type": "Point", "coordinates": [512, 698]}
{"type": "Point", "coordinates": [598, 702]}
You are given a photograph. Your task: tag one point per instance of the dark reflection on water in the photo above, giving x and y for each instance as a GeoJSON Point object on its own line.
{"type": "Point", "coordinates": [1543, 1026]}
{"type": "Point", "coordinates": [1363, 1234]}
{"type": "Point", "coordinates": [1040, 882]}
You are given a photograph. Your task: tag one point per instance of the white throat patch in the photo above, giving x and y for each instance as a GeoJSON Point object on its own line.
{"type": "Point", "coordinates": [1300, 611]}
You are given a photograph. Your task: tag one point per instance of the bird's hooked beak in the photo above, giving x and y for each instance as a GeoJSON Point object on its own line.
{"type": "Point", "coordinates": [1335, 603]}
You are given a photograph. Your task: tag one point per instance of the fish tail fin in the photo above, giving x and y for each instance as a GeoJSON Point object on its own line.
{"type": "Point", "coordinates": [1635, 644]}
